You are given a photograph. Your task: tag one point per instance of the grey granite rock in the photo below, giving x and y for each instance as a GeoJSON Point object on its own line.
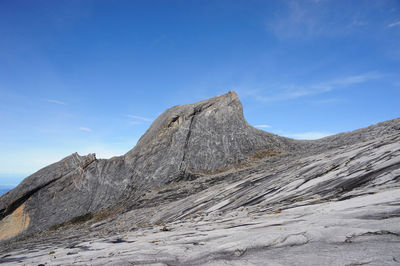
{"type": "Point", "coordinates": [202, 187]}
{"type": "Point", "coordinates": [184, 142]}
{"type": "Point", "coordinates": [72, 187]}
{"type": "Point", "coordinates": [203, 137]}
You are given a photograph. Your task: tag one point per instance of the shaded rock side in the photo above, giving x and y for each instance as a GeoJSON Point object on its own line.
{"type": "Point", "coordinates": [71, 187]}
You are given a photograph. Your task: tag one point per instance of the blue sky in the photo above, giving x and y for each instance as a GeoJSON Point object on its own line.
{"type": "Point", "coordinates": [90, 76]}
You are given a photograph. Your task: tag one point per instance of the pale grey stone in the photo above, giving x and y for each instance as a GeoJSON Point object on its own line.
{"type": "Point", "coordinates": [202, 187]}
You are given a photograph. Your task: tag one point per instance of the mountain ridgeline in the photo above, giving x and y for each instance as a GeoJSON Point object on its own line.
{"type": "Point", "coordinates": [185, 143]}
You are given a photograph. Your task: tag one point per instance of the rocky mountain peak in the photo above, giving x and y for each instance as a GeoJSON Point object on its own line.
{"type": "Point", "coordinates": [173, 117]}
{"type": "Point", "coordinates": [202, 137]}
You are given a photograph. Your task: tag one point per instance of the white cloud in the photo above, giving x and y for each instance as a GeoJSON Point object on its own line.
{"type": "Point", "coordinates": [397, 23]}
{"type": "Point", "coordinates": [55, 101]}
{"type": "Point", "coordinates": [139, 118]}
{"type": "Point", "coordinates": [308, 135]}
{"type": "Point", "coordinates": [85, 129]}
{"type": "Point", "coordinates": [263, 126]}
{"type": "Point", "coordinates": [346, 81]}
{"type": "Point", "coordinates": [293, 93]}
{"type": "Point", "coordinates": [297, 91]}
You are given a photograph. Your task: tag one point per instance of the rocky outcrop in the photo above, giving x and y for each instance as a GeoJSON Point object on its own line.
{"type": "Point", "coordinates": [204, 187]}
{"type": "Point", "coordinates": [185, 142]}
{"type": "Point", "coordinates": [204, 137]}
{"type": "Point", "coordinates": [41, 179]}
{"type": "Point", "coordinates": [71, 187]}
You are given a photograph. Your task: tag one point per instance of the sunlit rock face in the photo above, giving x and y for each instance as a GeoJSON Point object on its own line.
{"type": "Point", "coordinates": [183, 143]}
{"type": "Point", "coordinates": [15, 223]}
{"type": "Point", "coordinates": [202, 187]}
{"type": "Point", "coordinates": [201, 138]}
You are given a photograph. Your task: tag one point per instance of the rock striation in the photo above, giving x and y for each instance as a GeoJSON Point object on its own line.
{"type": "Point", "coordinates": [71, 187]}
{"type": "Point", "coordinates": [204, 187]}
{"type": "Point", "coordinates": [204, 137]}
{"type": "Point", "coordinates": [185, 142]}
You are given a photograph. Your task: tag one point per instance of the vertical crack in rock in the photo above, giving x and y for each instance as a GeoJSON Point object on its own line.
{"type": "Point", "coordinates": [182, 167]}
{"type": "Point", "coordinates": [192, 116]}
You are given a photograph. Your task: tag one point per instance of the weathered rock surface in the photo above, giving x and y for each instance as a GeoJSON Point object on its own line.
{"type": "Point", "coordinates": [74, 186]}
{"type": "Point", "coordinates": [204, 187]}
{"type": "Point", "coordinates": [204, 137]}
{"type": "Point", "coordinates": [182, 143]}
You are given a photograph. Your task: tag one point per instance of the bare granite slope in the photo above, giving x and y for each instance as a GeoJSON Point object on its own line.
{"type": "Point", "coordinates": [185, 141]}
{"type": "Point", "coordinates": [202, 187]}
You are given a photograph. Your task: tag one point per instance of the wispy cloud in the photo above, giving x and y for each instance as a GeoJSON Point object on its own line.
{"type": "Point", "coordinates": [346, 81]}
{"type": "Point", "coordinates": [313, 19]}
{"type": "Point", "coordinates": [329, 101]}
{"type": "Point", "coordinates": [289, 92]}
{"type": "Point", "coordinates": [309, 19]}
{"type": "Point", "coordinates": [298, 21]}
{"type": "Point", "coordinates": [397, 23]}
{"type": "Point", "coordinates": [263, 126]}
{"type": "Point", "coordinates": [55, 101]}
{"type": "Point", "coordinates": [308, 135]}
{"type": "Point", "coordinates": [86, 129]}
{"type": "Point", "coordinates": [139, 118]}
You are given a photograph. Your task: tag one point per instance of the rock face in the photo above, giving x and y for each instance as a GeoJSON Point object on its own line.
{"type": "Point", "coordinates": [204, 187]}
{"type": "Point", "coordinates": [184, 142]}
{"type": "Point", "coordinates": [204, 137]}
{"type": "Point", "coordinates": [71, 187]}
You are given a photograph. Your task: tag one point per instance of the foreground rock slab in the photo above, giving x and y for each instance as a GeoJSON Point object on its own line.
{"type": "Point", "coordinates": [338, 233]}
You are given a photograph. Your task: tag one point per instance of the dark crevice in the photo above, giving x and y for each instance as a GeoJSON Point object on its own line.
{"type": "Point", "coordinates": [345, 186]}
{"type": "Point", "coordinates": [358, 182]}
{"type": "Point", "coordinates": [173, 120]}
{"type": "Point", "coordinates": [240, 225]}
{"type": "Point", "coordinates": [350, 239]}
{"type": "Point", "coordinates": [254, 201]}
{"type": "Point", "coordinates": [186, 146]}
{"type": "Point", "coordinates": [182, 168]}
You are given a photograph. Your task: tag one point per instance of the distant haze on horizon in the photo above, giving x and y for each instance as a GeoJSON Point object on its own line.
{"type": "Point", "coordinates": [91, 76]}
